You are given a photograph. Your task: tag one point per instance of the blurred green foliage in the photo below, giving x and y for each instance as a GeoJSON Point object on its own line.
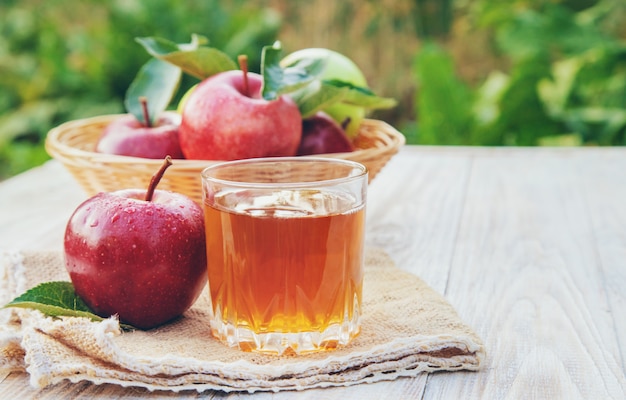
{"type": "Point", "coordinates": [64, 60]}
{"type": "Point", "coordinates": [484, 72]}
{"type": "Point", "coordinates": [565, 81]}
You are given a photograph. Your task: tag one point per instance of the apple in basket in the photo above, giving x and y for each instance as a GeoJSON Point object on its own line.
{"type": "Point", "coordinates": [338, 68]}
{"type": "Point", "coordinates": [321, 134]}
{"type": "Point", "coordinates": [225, 117]}
{"type": "Point", "coordinates": [127, 136]}
{"type": "Point", "coordinates": [137, 253]}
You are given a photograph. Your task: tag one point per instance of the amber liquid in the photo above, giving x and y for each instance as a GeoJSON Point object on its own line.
{"type": "Point", "coordinates": [283, 269]}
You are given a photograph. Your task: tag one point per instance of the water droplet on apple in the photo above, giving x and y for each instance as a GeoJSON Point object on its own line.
{"type": "Point", "coordinates": [93, 223]}
{"type": "Point", "coordinates": [115, 217]}
{"type": "Point", "coordinates": [130, 210]}
{"type": "Point", "coordinates": [149, 212]}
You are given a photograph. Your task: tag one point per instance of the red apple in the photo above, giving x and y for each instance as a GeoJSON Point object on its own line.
{"type": "Point", "coordinates": [137, 253]}
{"type": "Point", "coordinates": [127, 136]}
{"type": "Point", "coordinates": [225, 118]}
{"type": "Point", "coordinates": [321, 134]}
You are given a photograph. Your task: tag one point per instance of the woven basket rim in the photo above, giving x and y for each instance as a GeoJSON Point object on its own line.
{"type": "Point", "coordinates": [71, 143]}
{"type": "Point", "coordinates": [59, 149]}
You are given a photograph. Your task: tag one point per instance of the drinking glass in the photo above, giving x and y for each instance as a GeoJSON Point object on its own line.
{"type": "Point", "coordinates": [285, 241]}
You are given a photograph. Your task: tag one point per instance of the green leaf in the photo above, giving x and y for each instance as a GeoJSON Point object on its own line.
{"type": "Point", "coordinates": [278, 80]}
{"type": "Point", "coordinates": [158, 47]}
{"type": "Point", "coordinates": [316, 97]}
{"type": "Point", "coordinates": [157, 81]}
{"type": "Point", "coordinates": [200, 62]}
{"type": "Point", "coordinates": [360, 96]}
{"type": "Point", "coordinates": [300, 80]}
{"type": "Point", "coordinates": [319, 95]}
{"type": "Point", "coordinates": [56, 299]}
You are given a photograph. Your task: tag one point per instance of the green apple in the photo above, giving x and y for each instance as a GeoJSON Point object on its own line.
{"type": "Point", "coordinates": [348, 116]}
{"type": "Point", "coordinates": [338, 67]}
{"type": "Point", "coordinates": [183, 100]}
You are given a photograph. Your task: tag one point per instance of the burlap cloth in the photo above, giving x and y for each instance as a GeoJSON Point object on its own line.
{"type": "Point", "coordinates": [407, 329]}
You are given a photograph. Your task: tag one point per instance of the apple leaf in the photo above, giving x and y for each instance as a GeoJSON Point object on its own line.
{"type": "Point", "coordinates": [198, 61]}
{"type": "Point", "coordinates": [319, 95]}
{"type": "Point", "coordinates": [157, 81]}
{"type": "Point", "coordinates": [301, 81]}
{"type": "Point", "coordinates": [316, 97]}
{"type": "Point", "coordinates": [278, 80]}
{"type": "Point", "coordinates": [158, 47]}
{"type": "Point", "coordinates": [360, 96]}
{"type": "Point", "coordinates": [56, 299]}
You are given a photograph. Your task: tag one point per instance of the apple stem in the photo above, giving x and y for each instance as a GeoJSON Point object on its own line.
{"type": "Point", "coordinates": [156, 178]}
{"type": "Point", "coordinates": [243, 64]}
{"type": "Point", "coordinates": [144, 107]}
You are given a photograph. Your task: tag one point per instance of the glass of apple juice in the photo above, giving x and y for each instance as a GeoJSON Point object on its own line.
{"type": "Point", "coordinates": [285, 239]}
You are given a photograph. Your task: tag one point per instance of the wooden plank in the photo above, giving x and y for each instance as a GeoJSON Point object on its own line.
{"type": "Point", "coordinates": [525, 275]}
{"type": "Point", "coordinates": [35, 207]}
{"type": "Point", "coordinates": [604, 179]}
{"type": "Point", "coordinates": [414, 208]}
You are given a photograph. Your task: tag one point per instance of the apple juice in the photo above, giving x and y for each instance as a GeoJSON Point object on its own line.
{"type": "Point", "coordinates": [285, 270]}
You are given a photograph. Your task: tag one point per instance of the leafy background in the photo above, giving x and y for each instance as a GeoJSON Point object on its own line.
{"type": "Point", "coordinates": [465, 72]}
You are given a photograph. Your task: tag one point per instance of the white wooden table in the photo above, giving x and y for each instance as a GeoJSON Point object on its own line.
{"type": "Point", "coordinates": [529, 245]}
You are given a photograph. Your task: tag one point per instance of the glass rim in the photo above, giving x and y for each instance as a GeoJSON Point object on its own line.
{"type": "Point", "coordinates": [363, 171]}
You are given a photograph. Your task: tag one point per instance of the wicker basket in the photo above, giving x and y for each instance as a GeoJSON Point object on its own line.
{"type": "Point", "coordinates": [73, 143]}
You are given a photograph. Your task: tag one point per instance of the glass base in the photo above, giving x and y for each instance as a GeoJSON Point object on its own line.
{"type": "Point", "coordinates": [282, 343]}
